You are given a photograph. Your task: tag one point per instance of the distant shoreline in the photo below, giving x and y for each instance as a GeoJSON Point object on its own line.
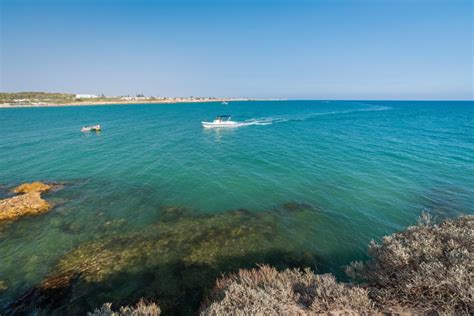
{"type": "Point", "coordinates": [119, 102]}
{"type": "Point", "coordinates": [179, 100]}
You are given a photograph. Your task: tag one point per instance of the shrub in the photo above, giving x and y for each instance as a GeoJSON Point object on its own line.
{"type": "Point", "coordinates": [290, 292]}
{"type": "Point", "coordinates": [141, 309]}
{"type": "Point", "coordinates": [428, 267]}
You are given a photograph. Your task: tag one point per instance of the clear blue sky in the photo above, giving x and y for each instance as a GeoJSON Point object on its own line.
{"type": "Point", "coordinates": [333, 49]}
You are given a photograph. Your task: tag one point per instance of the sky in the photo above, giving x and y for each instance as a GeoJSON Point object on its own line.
{"type": "Point", "coordinates": [295, 49]}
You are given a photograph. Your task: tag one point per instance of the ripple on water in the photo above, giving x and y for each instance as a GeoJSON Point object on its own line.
{"type": "Point", "coordinates": [154, 180]}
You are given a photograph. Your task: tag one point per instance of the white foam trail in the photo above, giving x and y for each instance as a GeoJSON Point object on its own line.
{"type": "Point", "coordinates": [287, 118]}
{"type": "Point", "coordinates": [253, 122]}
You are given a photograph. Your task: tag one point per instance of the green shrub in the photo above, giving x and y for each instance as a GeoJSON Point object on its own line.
{"type": "Point", "coordinates": [290, 292]}
{"type": "Point", "coordinates": [428, 268]}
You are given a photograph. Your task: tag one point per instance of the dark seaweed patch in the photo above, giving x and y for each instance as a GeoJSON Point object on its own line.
{"type": "Point", "coordinates": [173, 263]}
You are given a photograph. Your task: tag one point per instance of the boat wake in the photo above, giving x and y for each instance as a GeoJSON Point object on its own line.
{"type": "Point", "coordinates": [295, 118]}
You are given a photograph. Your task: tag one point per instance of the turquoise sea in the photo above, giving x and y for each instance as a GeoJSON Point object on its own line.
{"type": "Point", "coordinates": [155, 206]}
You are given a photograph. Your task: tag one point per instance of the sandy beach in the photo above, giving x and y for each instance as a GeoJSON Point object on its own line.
{"type": "Point", "coordinates": [118, 101]}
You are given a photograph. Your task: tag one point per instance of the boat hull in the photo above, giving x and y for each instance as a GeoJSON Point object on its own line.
{"type": "Point", "coordinates": [227, 124]}
{"type": "Point", "coordinates": [95, 128]}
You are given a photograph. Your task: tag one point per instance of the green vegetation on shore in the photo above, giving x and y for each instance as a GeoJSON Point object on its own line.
{"type": "Point", "coordinates": [24, 99]}
{"type": "Point", "coordinates": [46, 98]}
{"type": "Point", "coordinates": [36, 97]}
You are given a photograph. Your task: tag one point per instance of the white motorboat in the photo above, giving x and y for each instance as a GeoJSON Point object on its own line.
{"type": "Point", "coordinates": [225, 103]}
{"type": "Point", "coordinates": [220, 121]}
{"type": "Point", "coordinates": [94, 128]}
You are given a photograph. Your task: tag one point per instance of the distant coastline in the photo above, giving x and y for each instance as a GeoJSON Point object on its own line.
{"type": "Point", "coordinates": [43, 99]}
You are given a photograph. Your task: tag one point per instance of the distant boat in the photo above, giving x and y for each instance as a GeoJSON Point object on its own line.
{"type": "Point", "coordinates": [220, 121]}
{"type": "Point", "coordinates": [225, 103]}
{"type": "Point", "coordinates": [93, 128]}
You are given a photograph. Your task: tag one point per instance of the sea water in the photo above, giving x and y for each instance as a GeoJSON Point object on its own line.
{"type": "Point", "coordinates": [329, 175]}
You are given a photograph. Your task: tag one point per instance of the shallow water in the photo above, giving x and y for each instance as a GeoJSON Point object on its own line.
{"type": "Point", "coordinates": [328, 176]}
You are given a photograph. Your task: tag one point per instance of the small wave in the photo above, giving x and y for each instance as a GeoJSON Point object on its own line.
{"type": "Point", "coordinates": [294, 118]}
{"type": "Point", "coordinates": [255, 122]}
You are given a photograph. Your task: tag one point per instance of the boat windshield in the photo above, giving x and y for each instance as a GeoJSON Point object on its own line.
{"type": "Point", "coordinates": [222, 118]}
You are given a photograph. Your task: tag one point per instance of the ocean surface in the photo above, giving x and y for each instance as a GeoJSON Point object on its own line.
{"type": "Point", "coordinates": [297, 183]}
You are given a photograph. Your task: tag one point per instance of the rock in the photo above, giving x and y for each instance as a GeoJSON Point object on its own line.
{"type": "Point", "coordinates": [172, 213]}
{"type": "Point", "coordinates": [174, 262]}
{"type": "Point", "coordinates": [29, 203]}
{"type": "Point", "coordinates": [32, 187]}
{"type": "Point", "coordinates": [23, 205]}
{"type": "Point", "coordinates": [295, 206]}
{"type": "Point", "coordinates": [50, 292]}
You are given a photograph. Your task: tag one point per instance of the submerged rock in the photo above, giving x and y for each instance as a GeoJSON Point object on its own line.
{"type": "Point", "coordinates": [29, 202]}
{"type": "Point", "coordinates": [32, 187]}
{"type": "Point", "coordinates": [172, 213]}
{"type": "Point", "coordinates": [295, 206]}
{"type": "Point", "coordinates": [3, 286]}
{"type": "Point", "coordinates": [173, 262]}
{"type": "Point", "coordinates": [50, 292]}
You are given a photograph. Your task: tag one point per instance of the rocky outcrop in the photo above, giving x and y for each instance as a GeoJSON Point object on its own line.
{"type": "Point", "coordinates": [32, 187]}
{"type": "Point", "coordinates": [29, 202]}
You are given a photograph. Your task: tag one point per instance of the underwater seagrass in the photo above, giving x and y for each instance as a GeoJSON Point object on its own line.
{"type": "Point", "coordinates": [173, 261]}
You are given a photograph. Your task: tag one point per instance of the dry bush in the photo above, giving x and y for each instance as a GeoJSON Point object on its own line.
{"type": "Point", "coordinates": [141, 309]}
{"type": "Point", "coordinates": [428, 268]}
{"type": "Point", "coordinates": [290, 292]}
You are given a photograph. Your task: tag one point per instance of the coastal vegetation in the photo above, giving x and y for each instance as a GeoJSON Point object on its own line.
{"type": "Point", "coordinates": [46, 98]}
{"type": "Point", "coordinates": [141, 309]}
{"type": "Point", "coordinates": [25, 99]}
{"type": "Point", "coordinates": [36, 97]}
{"type": "Point", "coordinates": [428, 267]}
{"type": "Point", "coordinates": [266, 291]}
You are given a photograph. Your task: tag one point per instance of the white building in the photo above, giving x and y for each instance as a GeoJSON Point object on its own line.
{"type": "Point", "coordinates": [86, 96]}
